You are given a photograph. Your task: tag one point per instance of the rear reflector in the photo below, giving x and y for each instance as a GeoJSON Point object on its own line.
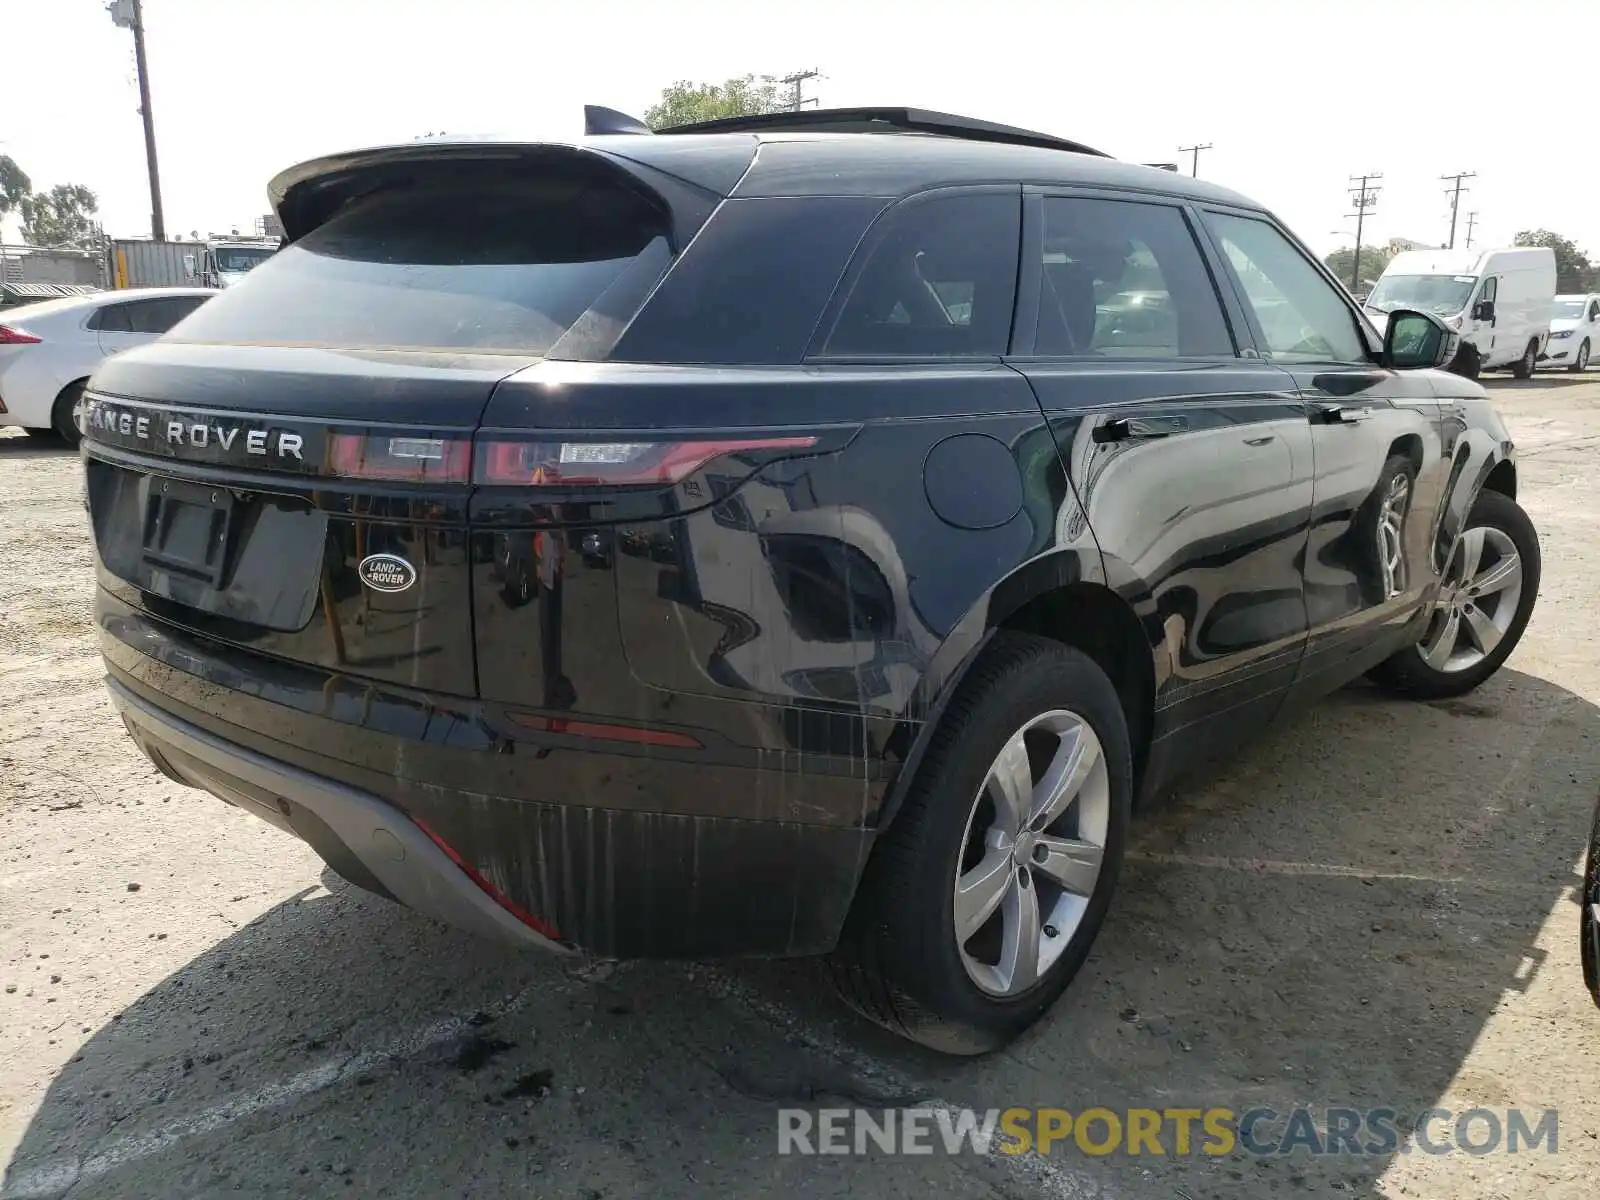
{"type": "Point", "coordinates": [516, 910]}
{"type": "Point", "coordinates": [607, 733]}
{"type": "Point", "coordinates": [406, 459]}
{"type": "Point", "coordinates": [613, 464]}
{"type": "Point", "coordinates": [10, 336]}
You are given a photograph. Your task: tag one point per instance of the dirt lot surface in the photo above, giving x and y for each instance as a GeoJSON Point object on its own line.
{"type": "Point", "coordinates": [1372, 907]}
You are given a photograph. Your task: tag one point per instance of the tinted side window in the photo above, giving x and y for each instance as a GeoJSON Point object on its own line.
{"type": "Point", "coordinates": [940, 279]}
{"type": "Point", "coordinates": [113, 318]}
{"type": "Point", "coordinates": [1302, 316]}
{"type": "Point", "coordinates": [752, 286]}
{"type": "Point", "coordinates": [158, 316]}
{"type": "Point", "coordinates": [1125, 280]}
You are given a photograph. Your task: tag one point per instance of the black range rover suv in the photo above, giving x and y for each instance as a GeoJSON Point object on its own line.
{"type": "Point", "coordinates": [797, 535]}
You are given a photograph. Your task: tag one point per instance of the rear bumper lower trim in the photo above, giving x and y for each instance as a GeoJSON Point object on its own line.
{"type": "Point", "coordinates": [406, 862]}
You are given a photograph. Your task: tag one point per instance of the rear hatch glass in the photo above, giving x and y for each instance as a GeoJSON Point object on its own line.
{"type": "Point", "coordinates": [287, 470]}
{"type": "Point", "coordinates": [503, 268]}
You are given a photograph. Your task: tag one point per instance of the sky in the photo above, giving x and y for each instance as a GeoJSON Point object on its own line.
{"type": "Point", "coordinates": [1294, 97]}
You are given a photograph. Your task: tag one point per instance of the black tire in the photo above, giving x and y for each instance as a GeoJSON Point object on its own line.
{"type": "Point", "coordinates": [1408, 674]}
{"type": "Point", "coordinates": [1580, 362]}
{"type": "Point", "coordinates": [898, 963]}
{"type": "Point", "coordinates": [1466, 363]}
{"type": "Point", "coordinates": [1589, 904]}
{"type": "Point", "coordinates": [1524, 367]}
{"type": "Point", "coordinates": [1365, 527]}
{"type": "Point", "coordinates": [61, 412]}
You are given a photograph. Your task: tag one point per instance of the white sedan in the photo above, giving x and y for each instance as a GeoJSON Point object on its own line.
{"type": "Point", "coordinates": [48, 351]}
{"type": "Point", "coordinates": [1574, 333]}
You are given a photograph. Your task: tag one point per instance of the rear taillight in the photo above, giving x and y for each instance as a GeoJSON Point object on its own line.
{"type": "Point", "coordinates": [12, 336]}
{"type": "Point", "coordinates": [407, 459]}
{"type": "Point", "coordinates": [614, 464]}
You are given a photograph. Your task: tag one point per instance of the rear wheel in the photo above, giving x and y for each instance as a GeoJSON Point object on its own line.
{"type": "Point", "coordinates": [1581, 362]}
{"type": "Point", "coordinates": [1523, 367]}
{"type": "Point", "coordinates": [982, 899]}
{"type": "Point", "coordinates": [64, 413]}
{"type": "Point", "coordinates": [1483, 606]}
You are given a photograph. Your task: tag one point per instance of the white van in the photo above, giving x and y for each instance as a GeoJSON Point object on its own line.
{"type": "Point", "coordinates": [1501, 301]}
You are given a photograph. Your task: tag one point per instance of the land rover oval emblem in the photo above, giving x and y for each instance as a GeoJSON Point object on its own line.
{"type": "Point", "coordinates": [386, 573]}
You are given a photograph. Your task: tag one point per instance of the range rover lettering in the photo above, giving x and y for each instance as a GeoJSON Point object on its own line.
{"type": "Point", "coordinates": [809, 534]}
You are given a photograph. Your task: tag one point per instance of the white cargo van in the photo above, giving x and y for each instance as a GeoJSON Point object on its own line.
{"type": "Point", "coordinates": [1500, 301]}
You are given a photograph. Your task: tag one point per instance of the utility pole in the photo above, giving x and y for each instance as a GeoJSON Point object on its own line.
{"type": "Point", "coordinates": [1194, 157]}
{"type": "Point", "coordinates": [1454, 192]}
{"type": "Point", "coordinates": [1364, 198]}
{"type": "Point", "coordinates": [797, 100]}
{"type": "Point", "coordinates": [129, 14]}
{"type": "Point", "coordinates": [1472, 219]}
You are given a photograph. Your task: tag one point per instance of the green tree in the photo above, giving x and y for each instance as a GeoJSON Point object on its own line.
{"type": "Point", "coordinates": [1570, 261]}
{"type": "Point", "coordinates": [1373, 261]}
{"type": "Point", "coordinates": [63, 216]}
{"type": "Point", "coordinates": [15, 186]}
{"type": "Point", "coordinates": [685, 103]}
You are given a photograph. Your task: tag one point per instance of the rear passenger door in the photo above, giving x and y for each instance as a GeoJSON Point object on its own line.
{"type": "Point", "coordinates": [1368, 566]}
{"type": "Point", "coordinates": [1190, 456]}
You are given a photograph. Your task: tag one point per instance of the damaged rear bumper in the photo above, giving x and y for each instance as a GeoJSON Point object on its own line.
{"type": "Point", "coordinates": [370, 843]}
{"type": "Point", "coordinates": [557, 848]}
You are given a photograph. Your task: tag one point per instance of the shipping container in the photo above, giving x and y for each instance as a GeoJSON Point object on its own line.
{"type": "Point", "coordinates": [132, 263]}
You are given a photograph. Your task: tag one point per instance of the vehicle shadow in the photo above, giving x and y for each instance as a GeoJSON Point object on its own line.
{"type": "Point", "coordinates": [19, 445]}
{"type": "Point", "coordinates": [1328, 920]}
{"type": "Point", "coordinates": [1540, 382]}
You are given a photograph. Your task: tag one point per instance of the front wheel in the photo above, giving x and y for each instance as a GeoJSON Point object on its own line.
{"type": "Point", "coordinates": [1581, 362]}
{"type": "Point", "coordinates": [982, 899]}
{"type": "Point", "coordinates": [1466, 363]}
{"type": "Point", "coordinates": [1524, 366]}
{"type": "Point", "coordinates": [1482, 608]}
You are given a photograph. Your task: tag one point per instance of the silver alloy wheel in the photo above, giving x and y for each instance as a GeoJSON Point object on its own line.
{"type": "Point", "coordinates": [1477, 601]}
{"type": "Point", "coordinates": [1391, 535]}
{"type": "Point", "coordinates": [1032, 852]}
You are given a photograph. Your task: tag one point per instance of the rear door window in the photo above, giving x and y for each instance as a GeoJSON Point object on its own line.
{"type": "Point", "coordinates": [939, 280]}
{"type": "Point", "coordinates": [113, 318]}
{"type": "Point", "coordinates": [158, 316]}
{"type": "Point", "coordinates": [494, 268]}
{"type": "Point", "coordinates": [1125, 279]}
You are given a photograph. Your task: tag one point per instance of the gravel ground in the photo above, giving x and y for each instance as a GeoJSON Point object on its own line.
{"type": "Point", "coordinates": [1371, 907]}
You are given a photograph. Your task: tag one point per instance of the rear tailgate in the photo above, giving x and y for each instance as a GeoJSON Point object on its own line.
{"type": "Point", "coordinates": [288, 470]}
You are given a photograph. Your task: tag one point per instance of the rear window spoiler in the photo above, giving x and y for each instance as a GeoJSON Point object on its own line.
{"type": "Point", "coordinates": [306, 195]}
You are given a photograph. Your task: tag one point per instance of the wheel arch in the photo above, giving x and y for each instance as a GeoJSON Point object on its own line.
{"type": "Point", "coordinates": [1062, 596]}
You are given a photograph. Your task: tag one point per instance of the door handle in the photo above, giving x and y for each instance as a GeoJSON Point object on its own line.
{"type": "Point", "coordinates": [1127, 429]}
{"type": "Point", "coordinates": [1342, 414]}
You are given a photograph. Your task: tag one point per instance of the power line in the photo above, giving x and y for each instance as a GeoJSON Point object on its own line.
{"type": "Point", "coordinates": [1364, 198]}
{"type": "Point", "coordinates": [1454, 192]}
{"type": "Point", "coordinates": [1194, 157]}
{"type": "Point", "coordinates": [797, 99]}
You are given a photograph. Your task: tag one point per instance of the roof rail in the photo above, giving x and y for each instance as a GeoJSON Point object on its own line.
{"type": "Point", "coordinates": [885, 120]}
